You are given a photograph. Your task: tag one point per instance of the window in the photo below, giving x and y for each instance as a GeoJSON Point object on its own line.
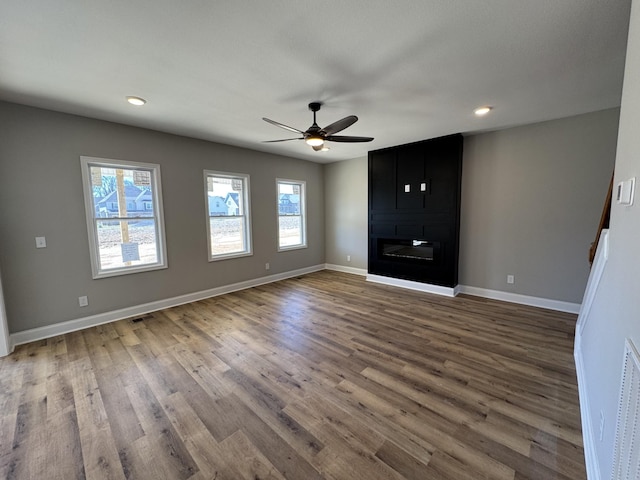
{"type": "Point", "coordinates": [228, 219]}
{"type": "Point", "coordinates": [123, 204]}
{"type": "Point", "coordinates": [291, 214]}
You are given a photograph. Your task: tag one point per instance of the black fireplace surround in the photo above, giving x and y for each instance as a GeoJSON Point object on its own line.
{"type": "Point", "coordinates": [414, 211]}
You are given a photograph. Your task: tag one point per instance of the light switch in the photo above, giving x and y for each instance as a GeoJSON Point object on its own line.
{"type": "Point", "coordinates": [625, 191]}
{"type": "Point", "coordinates": [41, 242]}
{"type": "Point", "coordinates": [423, 187]}
{"type": "Point", "coordinates": [407, 188]}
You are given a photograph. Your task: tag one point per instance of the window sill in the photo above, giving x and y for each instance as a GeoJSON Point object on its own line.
{"type": "Point", "coordinates": [292, 247]}
{"type": "Point", "coordinates": [230, 256]}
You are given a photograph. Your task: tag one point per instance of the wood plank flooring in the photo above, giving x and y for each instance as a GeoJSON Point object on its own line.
{"type": "Point", "coordinates": [323, 376]}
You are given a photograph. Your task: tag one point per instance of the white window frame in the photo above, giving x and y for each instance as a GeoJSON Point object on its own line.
{"type": "Point", "coordinates": [154, 169]}
{"type": "Point", "coordinates": [303, 213]}
{"type": "Point", "coordinates": [246, 199]}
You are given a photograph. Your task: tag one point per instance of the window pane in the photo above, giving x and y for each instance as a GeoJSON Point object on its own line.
{"type": "Point", "coordinates": [288, 199]}
{"type": "Point", "coordinates": [291, 211]}
{"type": "Point", "coordinates": [227, 235]}
{"type": "Point", "coordinates": [290, 230]}
{"type": "Point", "coordinates": [123, 243]}
{"type": "Point", "coordinates": [121, 192]}
{"type": "Point", "coordinates": [227, 203]}
{"type": "Point", "coordinates": [124, 216]}
{"type": "Point", "coordinates": [225, 196]}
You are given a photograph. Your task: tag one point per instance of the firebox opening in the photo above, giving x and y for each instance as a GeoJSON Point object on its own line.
{"type": "Point", "coordinates": [420, 250]}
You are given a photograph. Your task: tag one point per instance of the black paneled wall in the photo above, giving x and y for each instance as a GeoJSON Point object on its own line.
{"type": "Point", "coordinates": [414, 211]}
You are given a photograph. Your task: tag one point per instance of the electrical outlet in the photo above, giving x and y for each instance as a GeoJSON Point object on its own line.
{"type": "Point", "coordinates": [83, 301]}
{"type": "Point", "coordinates": [267, 266]}
{"type": "Point", "coordinates": [511, 279]}
{"type": "Point", "coordinates": [601, 425]}
{"type": "Point", "coordinates": [348, 258]}
{"type": "Point", "coordinates": [41, 242]}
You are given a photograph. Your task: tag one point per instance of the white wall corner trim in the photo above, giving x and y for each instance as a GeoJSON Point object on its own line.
{"type": "Point", "coordinates": [588, 435]}
{"type": "Point", "coordinates": [521, 299]}
{"type": "Point", "coordinates": [69, 326]}
{"type": "Point", "coordinates": [5, 341]}
{"type": "Point", "coordinates": [340, 268]}
{"type": "Point", "coordinates": [422, 287]}
{"type": "Point", "coordinates": [600, 260]}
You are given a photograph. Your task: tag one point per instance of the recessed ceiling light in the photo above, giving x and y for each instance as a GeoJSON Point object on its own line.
{"type": "Point", "coordinates": [482, 111]}
{"type": "Point", "coordinates": [137, 101]}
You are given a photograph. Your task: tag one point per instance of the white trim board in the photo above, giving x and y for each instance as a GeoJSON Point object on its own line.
{"type": "Point", "coordinates": [5, 341]}
{"type": "Point", "coordinates": [69, 326]}
{"type": "Point", "coordinates": [340, 268]}
{"type": "Point", "coordinates": [422, 287]}
{"type": "Point", "coordinates": [595, 275]}
{"type": "Point", "coordinates": [478, 292]}
{"type": "Point", "coordinates": [521, 299]}
{"type": "Point", "coordinates": [588, 434]}
{"type": "Point", "coordinates": [547, 303]}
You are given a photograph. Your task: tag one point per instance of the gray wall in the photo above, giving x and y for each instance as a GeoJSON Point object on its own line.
{"type": "Point", "coordinates": [616, 307]}
{"type": "Point", "coordinates": [41, 195]}
{"type": "Point", "coordinates": [346, 193]}
{"type": "Point", "coordinates": [532, 197]}
{"type": "Point", "coordinates": [531, 202]}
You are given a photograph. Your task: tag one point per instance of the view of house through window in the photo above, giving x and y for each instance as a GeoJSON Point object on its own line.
{"type": "Point", "coordinates": [124, 216]}
{"type": "Point", "coordinates": [227, 196]}
{"type": "Point", "coordinates": [291, 213]}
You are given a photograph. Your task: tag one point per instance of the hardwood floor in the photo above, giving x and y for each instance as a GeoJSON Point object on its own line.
{"type": "Point", "coordinates": [320, 376]}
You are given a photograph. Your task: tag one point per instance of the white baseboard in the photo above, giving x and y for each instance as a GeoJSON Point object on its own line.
{"type": "Point", "coordinates": [588, 434]}
{"type": "Point", "coordinates": [422, 287]}
{"type": "Point", "coordinates": [69, 326]}
{"type": "Point", "coordinates": [521, 299]}
{"type": "Point", "coordinates": [476, 291]}
{"type": "Point", "coordinates": [340, 268]}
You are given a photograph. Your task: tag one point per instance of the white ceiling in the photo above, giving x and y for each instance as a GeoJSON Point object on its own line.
{"type": "Point", "coordinates": [409, 69]}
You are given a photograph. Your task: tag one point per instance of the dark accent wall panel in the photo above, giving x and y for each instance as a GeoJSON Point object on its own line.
{"type": "Point", "coordinates": [414, 195]}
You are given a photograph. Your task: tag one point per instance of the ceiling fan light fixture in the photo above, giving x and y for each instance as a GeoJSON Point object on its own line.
{"type": "Point", "coordinates": [314, 141]}
{"type": "Point", "coordinates": [482, 111]}
{"type": "Point", "coordinates": [137, 101]}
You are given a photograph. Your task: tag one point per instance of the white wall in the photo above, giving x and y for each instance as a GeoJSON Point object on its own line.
{"type": "Point", "coordinates": [615, 312]}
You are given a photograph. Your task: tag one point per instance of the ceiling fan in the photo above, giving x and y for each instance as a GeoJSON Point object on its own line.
{"type": "Point", "coordinates": [316, 136]}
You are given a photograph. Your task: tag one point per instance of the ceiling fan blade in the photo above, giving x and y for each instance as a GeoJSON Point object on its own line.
{"type": "Point", "coordinates": [283, 140]}
{"type": "Point", "coordinates": [347, 139]}
{"type": "Point", "coordinates": [278, 124]}
{"type": "Point", "coordinates": [340, 125]}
